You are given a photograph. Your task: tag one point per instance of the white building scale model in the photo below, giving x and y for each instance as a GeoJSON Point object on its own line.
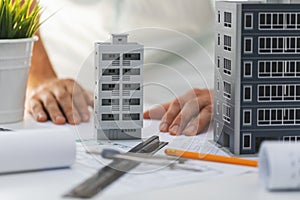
{"type": "Point", "coordinates": [119, 92]}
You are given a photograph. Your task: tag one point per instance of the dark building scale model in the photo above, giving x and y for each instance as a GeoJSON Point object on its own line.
{"type": "Point", "coordinates": [257, 74]}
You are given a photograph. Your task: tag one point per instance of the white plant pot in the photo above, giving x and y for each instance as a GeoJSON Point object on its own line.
{"type": "Point", "coordinates": [15, 59]}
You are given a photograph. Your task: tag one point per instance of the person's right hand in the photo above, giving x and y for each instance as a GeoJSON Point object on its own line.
{"type": "Point", "coordinates": [60, 100]}
{"type": "Point", "coordinates": [188, 114]}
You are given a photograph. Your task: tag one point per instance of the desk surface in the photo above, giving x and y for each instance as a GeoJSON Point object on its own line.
{"type": "Point", "coordinates": [51, 184]}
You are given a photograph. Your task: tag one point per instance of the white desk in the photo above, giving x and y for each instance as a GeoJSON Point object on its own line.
{"type": "Point", "coordinates": [50, 185]}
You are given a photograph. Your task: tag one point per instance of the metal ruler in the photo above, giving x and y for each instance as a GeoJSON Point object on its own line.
{"type": "Point", "coordinates": [4, 129]}
{"type": "Point", "coordinates": [110, 173]}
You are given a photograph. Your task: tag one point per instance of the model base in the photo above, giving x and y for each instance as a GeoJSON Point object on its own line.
{"type": "Point", "coordinates": [119, 134]}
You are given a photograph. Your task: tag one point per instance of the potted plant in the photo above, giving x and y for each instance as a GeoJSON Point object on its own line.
{"type": "Point", "coordinates": [19, 20]}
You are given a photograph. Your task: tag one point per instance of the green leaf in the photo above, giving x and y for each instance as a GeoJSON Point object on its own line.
{"type": "Point", "coordinates": [19, 18]}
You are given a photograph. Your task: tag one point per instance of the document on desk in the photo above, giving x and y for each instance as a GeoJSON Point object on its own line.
{"type": "Point", "coordinates": [147, 177]}
{"type": "Point", "coordinates": [36, 149]}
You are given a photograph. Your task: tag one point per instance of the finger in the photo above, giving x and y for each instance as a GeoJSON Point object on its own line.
{"type": "Point", "coordinates": [65, 101]}
{"type": "Point", "coordinates": [37, 111]}
{"type": "Point", "coordinates": [188, 112]}
{"type": "Point", "coordinates": [78, 95]}
{"type": "Point", "coordinates": [79, 99]}
{"type": "Point", "coordinates": [82, 107]}
{"type": "Point", "coordinates": [174, 109]}
{"type": "Point", "coordinates": [200, 123]}
{"type": "Point", "coordinates": [157, 112]}
{"type": "Point", "coordinates": [170, 115]}
{"type": "Point", "coordinates": [51, 106]}
{"type": "Point", "coordinates": [89, 98]}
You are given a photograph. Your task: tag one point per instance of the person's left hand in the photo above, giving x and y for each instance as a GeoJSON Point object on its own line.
{"type": "Point", "coordinates": [60, 100]}
{"type": "Point", "coordinates": [189, 114]}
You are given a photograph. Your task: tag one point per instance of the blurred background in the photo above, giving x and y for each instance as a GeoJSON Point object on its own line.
{"type": "Point", "coordinates": [177, 34]}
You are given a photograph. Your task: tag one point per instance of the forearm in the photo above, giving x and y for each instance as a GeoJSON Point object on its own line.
{"type": "Point", "coordinates": [41, 69]}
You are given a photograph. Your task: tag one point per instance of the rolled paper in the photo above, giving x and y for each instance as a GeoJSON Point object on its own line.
{"type": "Point", "coordinates": [279, 165]}
{"type": "Point", "coordinates": [36, 149]}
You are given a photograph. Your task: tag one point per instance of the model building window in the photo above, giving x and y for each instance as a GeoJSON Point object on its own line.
{"type": "Point", "coordinates": [263, 117]}
{"type": "Point", "coordinates": [247, 69]}
{"type": "Point", "coordinates": [298, 44]}
{"type": "Point", "coordinates": [265, 44]}
{"type": "Point", "coordinates": [262, 20]}
{"type": "Point", "coordinates": [246, 141]}
{"type": "Point", "coordinates": [219, 39]}
{"type": "Point", "coordinates": [110, 72]}
{"type": "Point", "coordinates": [271, 21]}
{"type": "Point", "coordinates": [131, 56]}
{"type": "Point", "coordinates": [289, 92]}
{"type": "Point", "coordinates": [248, 21]}
{"type": "Point", "coordinates": [227, 19]}
{"type": "Point", "coordinates": [110, 56]}
{"type": "Point", "coordinates": [279, 69]}
{"type": "Point", "coordinates": [218, 62]}
{"type": "Point", "coordinates": [110, 87]}
{"type": "Point", "coordinates": [219, 17]}
{"type": "Point", "coordinates": [218, 107]}
{"type": "Point", "coordinates": [290, 69]}
{"type": "Point", "coordinates": [265, 20]}
{"type": "Point", "coordinates": [262, 45]}
{"type": "Point", "coordinates": [262, 69]}
{"type": "Point", "coordinates": [133, 86]}
{"type": "Point", "coordinates": [291, 139]}
{"type": "Point", "coordinates": [110, 117]}
{"type": "Point", "coordinates": [132, 116]}
{"type": "Point", "coordinates": [227, 66]}
{"type": "Point", "coordinates": [291, 20]}
{"type": "Point", "coordinates": [276, 93]}
{"type": "Point", "coordinates": [227, 90]}
{"type": "Point", "coordinates": [130, 71]}
{"type": "Point", "coordinates": [297, 92]}
{"type": "Point", "coordinates": [278, 116]}
{"type": "Point", "coordinates": [247, 117]}
{"type": "Point", "coordinates": [110, 102]}
{"type": "Point", "coordinates": [277, 44]}
{"type": "Point", "coordinates": [227, 43]}
{"type": "Point", "coordinates": [218, 130]}
{"type": "Point", "coordinates": [290, 44]}
{"type": "Point", "coordinates": [131, 102]}
{"type": "Point", "coordinates": [226, 113]}
{"type": "Point", "coordinates": [247, 93]}
{"type": "Point", "coordinates": [247, 45]}
{"type": "Point", "coordinates": [297, 116]}
{"type": "Point", "coordinates": [278, 21]}
{"type": "Point", "coordinates": [264, 93]}
{"type": "Point", "coordinates": [279, 93]}
{"type": "Point", "coordinates": [297, 68]}
{"type": "Point", "coordinates": [288, 116]}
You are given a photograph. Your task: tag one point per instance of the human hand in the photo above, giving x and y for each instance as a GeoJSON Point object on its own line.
{"type": "Point", "coordinates": [60, 100]}
{"type": "Point", "coordinates": [189, 114]}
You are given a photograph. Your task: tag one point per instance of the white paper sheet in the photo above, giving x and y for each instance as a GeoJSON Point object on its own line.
{"type": "Point", "coordinates": [148, 177]}
{"type": "Point", "coordinates": [36, 149]}
{"type": "Point", "coordinates": [279, 165]}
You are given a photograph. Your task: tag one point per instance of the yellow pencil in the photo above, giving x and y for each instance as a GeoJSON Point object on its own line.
{"type": "Point", "coordinates": [211, 157]}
